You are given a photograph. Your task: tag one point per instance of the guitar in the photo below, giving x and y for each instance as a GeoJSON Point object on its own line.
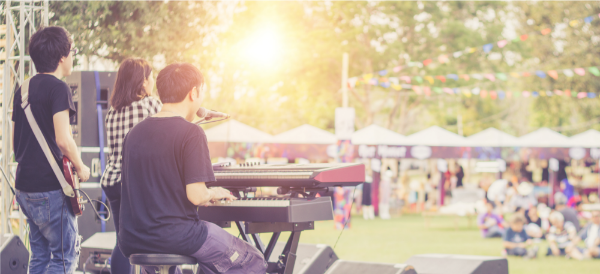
{"type": "Point", "coordinates": [73, 180]}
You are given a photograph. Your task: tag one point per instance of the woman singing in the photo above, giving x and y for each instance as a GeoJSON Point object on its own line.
{"type": "Point", "coordinates": [131, 103]}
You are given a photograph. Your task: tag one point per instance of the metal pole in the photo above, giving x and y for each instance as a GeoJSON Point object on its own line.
{"type": "Point", "coordinates": [6, 132]}
{"type": "Point", "coordinates": [13, 77]}
{"type": "Point", "coordinates": [345, 63]}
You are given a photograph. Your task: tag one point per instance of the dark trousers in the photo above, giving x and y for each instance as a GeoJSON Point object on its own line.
{"type": "Point", "coordinates": [119, 264]}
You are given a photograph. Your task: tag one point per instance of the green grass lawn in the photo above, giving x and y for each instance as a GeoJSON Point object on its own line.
{"type": "Point", "coordinates": [396, 240]}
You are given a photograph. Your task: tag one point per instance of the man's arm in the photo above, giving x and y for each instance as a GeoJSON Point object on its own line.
{"type": "Point", "coordinates": [198, 194]}
{"type": "Point", "coordinates": [66, 144]}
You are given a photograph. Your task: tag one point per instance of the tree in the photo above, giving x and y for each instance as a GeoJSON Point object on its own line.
{"type": "Point", "coordinates": [181, 31]}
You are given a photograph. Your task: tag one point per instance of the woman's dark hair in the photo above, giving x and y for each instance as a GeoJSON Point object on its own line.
{"type": "Point", "coordinates": [129, 86]}
{"type": "Point", "coordinates": [175, 81]}
{"type": "Point", "coordinates": [47, 46]}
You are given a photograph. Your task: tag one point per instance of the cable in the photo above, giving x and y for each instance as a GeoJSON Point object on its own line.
{"type": "Point", "coordinates": [7, 180]}
{"type": "Point", "coordinates": [94, 208]}
{"type": "Point", "coordinates": [86, 262]}
{"type": "Point", "coordinates": [62, 246]}
{"type": "Point", "coordinates": [346, 222]}
{"type": "Point", "coordinates": [105, 264]}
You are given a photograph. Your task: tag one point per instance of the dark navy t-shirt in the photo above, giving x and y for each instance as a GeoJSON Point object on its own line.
{"type": "Point", "coordinates": [48, 95]}
{"type": "Point", "coordinates": [515, 237]}
{"type": "Point", "coordinates": [160, 157]}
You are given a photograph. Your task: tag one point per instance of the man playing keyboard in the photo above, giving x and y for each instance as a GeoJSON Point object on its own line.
{"type": "Point", "coordinates": [166, 164]}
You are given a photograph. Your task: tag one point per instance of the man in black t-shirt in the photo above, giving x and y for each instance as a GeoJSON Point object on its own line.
{"type": "Point", "coordinates": [39, 192]}
{"type": "Point", "coordinates": [165, 166]}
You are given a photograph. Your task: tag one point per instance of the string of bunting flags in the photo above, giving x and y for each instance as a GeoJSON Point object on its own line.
{"type": "Point", "coordinates": [445, 58]}
{"type": "Point", "coordinates": [497, 94]}
{"type": "Point", "coordinates": [394, 82]}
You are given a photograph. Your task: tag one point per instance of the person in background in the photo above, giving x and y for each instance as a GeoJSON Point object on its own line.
{"type": "Point", "coordinates": [460, 174]}
{"type": "Point", "coordinates": [561, 235]}
{"type": "Point", "coordinates": [570, 214]}
{"type": "Point", "coordinates": [516, 240]}
{"type": "Point", "coordinates": [523, 198]}
{"type": "Point", "coordinates": [590, 235]}
{"type": "Point", "coordinates": [533, 223]}
{"type": "Point", "coordinates": [367, 205]}
{"type": "Point", "coordinates": [490, 223]}
{"type": "Point", "coordinates": [385, 191]}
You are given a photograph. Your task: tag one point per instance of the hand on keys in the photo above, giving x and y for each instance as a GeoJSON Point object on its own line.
{"type": "Point", "coordinates": [220, 194]}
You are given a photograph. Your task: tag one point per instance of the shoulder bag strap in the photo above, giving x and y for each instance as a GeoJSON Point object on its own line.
{"type": "Point", "coordinates": [67, 189]}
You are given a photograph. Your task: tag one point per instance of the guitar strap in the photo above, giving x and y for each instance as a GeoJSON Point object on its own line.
{"type": "Point", "coordinates": [67, 189]}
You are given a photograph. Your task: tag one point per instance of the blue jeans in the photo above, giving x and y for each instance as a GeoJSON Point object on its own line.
{"type": "Point", "coordinates": [49, 214]}
{"type": "Point", "coordinates": [224, 253]}
{"type": "Point", "coordinates": [494, 232]}
{"type": "Point", "coordinates": [517, 251]}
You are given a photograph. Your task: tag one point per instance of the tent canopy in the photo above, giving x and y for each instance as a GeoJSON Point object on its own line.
{"type": "Point", "coordinates": [492, 137]}
{"type": "Point", "coordinates": [544, 137]}
{"type": "Point", "coordinates": [237, 132]}
{"type": "Point", "coordinates": [305, 134]}
{"type": "Point", "coordinates": [377, 135]}
{"type": "Point", "coordinates": [589, 139]}
{"type": "Point", "coordinates": [437, 136]}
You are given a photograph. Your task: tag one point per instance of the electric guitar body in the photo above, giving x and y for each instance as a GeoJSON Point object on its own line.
{"type": "Point", "coordinates": [73, 181]}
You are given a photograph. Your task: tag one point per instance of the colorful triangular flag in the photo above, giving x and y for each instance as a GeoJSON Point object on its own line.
{"type": "Point", "coordinates": [502, 43]}
{"type": "Point", "coordinates": [487, 48]}
{"type": "Point", "coordinates": [568, 72]}
{"type": "Point", "coordinates": [540, 74]}
{"type": "Point", "coordinates": [546, 31]}
{"type": "Point", "coordinates": [490, 77]}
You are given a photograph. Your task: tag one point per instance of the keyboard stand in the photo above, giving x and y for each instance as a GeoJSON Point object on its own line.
{"type": "Point", "coordinates": [250, 233]}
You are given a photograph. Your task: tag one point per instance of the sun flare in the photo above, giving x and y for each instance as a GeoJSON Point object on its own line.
{"type": "Point", "coordinates": [263, 48]}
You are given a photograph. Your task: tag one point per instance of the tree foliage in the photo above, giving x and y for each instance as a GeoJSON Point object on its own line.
{"type": "Point", "coordinates": [303, 85]}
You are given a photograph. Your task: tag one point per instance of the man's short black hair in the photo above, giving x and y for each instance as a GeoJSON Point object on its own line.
{"type": "Point", "coordinates": [47, 46]}
{"type": "Point", "coordinates": [175, 81]}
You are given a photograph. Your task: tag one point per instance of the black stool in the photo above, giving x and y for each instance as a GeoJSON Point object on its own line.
{"type": "Point", "coordinates": [162, 261]}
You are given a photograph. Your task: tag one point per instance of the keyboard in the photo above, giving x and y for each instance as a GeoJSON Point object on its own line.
{"type": "Point", "coordinates": [261, 209]}
{"type": "Point", "coordinates": [289, 175]}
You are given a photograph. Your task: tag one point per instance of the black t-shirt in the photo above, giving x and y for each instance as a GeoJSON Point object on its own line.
{"type": "Point", "coordinates": [529, 221]}
{"type": "Point", "coordinates": [160, 157]}
{"type": "Point", "coordinates": [47, 96]}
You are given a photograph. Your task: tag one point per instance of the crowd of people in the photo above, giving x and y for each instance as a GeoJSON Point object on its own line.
{"type": "Point", "coordinates": [530, 223]}
{"type": "Point", "coordinates": [514, 210]}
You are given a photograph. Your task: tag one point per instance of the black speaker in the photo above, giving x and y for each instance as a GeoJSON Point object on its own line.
{"type": "Point", "coordinates": [310, 258]}
{"type": "Point", "coordinates": [354, 267]}
{"type": "Point", "coordinates": [458, 264]}
{"type": "Point", "coordinates": [85, 125]}
{"type": "Point", "coordinates": [89, 223]}
{"type": "Point", "coordinates": [14, 256]}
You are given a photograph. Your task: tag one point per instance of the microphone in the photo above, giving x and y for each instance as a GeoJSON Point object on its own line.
{"type": "Point", "coordinates": [209, 114]}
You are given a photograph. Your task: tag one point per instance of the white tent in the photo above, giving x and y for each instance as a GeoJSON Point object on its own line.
{"type": "Point", "coordinates": [544, 137]}
{"type": "Point", "coordinates": [377, 135]}
{"type": "Point", "coordinates": [237, 132]}
{"type": "Point", "coordinates": [589, 138]}
{"type": "Point", "coordinates": [437, 136]}
{"type": "Point", "coordinates": [305, 134]}
{"type": "Point", "coordinates": [492, 137]}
